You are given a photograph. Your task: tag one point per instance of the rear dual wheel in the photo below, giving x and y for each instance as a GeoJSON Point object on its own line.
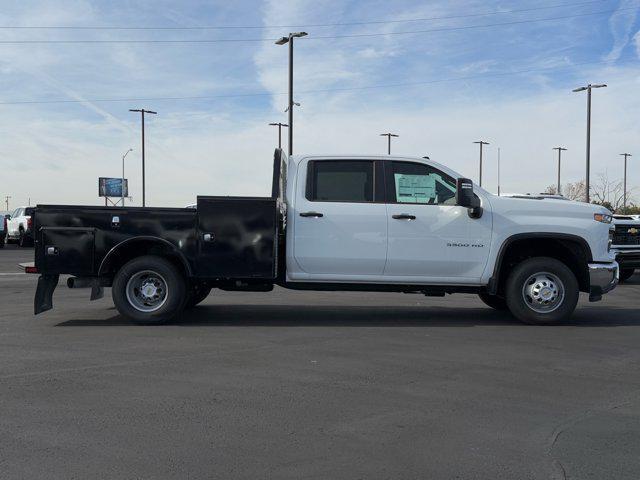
{"type": "Point", "coordinates": [198, 293]}
{"type": "Point", "coordinates": [149, 290]}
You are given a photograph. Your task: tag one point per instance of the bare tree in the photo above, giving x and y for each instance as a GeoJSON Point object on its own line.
{"type": "Point", "coordinates": [610, 193]}
{"type": "Point", "coordinates": [572, 191]}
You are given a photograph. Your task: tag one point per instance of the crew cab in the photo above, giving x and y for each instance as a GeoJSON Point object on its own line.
{"type": "Point", "coordinates": [626, 244]}
{"type": "Point", "coordinates": [19, 226]}
{"type": "Point", "coordinates": [332, 223]}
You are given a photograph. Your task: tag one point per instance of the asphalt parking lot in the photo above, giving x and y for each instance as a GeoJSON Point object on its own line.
{"type": "Point", "coordinates": [293, 385]}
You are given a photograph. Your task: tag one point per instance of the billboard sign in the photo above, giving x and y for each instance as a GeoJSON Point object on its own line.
{"type": "Point", "coordinates": [112, 187]}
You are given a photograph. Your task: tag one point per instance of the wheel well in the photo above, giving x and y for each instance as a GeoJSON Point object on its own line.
{"type": "Point", "coordinates": [128, 250]}
{"type": "Point", "coordinates": [573, 253]}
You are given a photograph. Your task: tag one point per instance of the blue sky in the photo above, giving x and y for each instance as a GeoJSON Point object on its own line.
{"type": "Point", "coordinates": [476, 73]}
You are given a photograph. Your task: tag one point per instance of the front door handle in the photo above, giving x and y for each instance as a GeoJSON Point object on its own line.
{"type": "Point", "coordinates": [311, 214]}
{"type": "Point", "coordinates": [404, 216]}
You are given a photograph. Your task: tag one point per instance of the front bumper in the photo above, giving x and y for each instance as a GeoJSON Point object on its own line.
{"type": "Point", "coordinates": [627, 257]}
{"type": "Point", "coordinates": [603, 277]}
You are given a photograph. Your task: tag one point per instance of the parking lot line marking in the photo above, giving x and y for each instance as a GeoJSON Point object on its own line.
{"type": "Point", "coordinates": [12, 273]}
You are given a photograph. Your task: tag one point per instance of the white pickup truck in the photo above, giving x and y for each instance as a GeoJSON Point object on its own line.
{"type": "Point", "coordinates": [336, 222]}
{"type": "Point", "coordinates": [626, 244]}
{"type": "Point", "coordinates": [19, 226]}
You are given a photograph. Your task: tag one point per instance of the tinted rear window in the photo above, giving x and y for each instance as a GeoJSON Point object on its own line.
{"type": "Point", "coordinates": [340, 181]}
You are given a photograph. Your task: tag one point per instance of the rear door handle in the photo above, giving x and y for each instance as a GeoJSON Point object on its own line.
{"type": "Point", "coordinates": [404, 216]}
{"type": "Point", "coordinates": [311, 214]}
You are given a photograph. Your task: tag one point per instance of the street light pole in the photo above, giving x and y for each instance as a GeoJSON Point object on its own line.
{"type": "Point", "coordinates": [122, 181]}
{"type": "Point", "coordinates": [588, 88]}
{"type": "Point", "coordinates": [624, 202]}
{"type": "Point", "coordinates": [142, 112]}
{"type": "Point", "coordinates": [282, 41]}
{"type": "Point", "coordinates": [389, 135]}
{"type": "Point", "coordinates": [6, 201]}
{"type": "Point", "coordinates": [481, 143]}
{"type": "Point", "coordinates": [279, 125]}
{"type": "Point", "coordinates": [560, 150]}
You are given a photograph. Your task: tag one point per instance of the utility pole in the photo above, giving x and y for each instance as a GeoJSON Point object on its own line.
{"type": "Point", "coordinates": [142, 112]}
{"type": "Point", "coordinates": [283, 41]}
{"type": "Point", "coordinates": [624, 202]}
{"type": "Point", "coordinates": [560, 150]}
{"type": "Point", "coordinates": [481, 143]}
{"type": "Point", "coordinates": [389, 135]}
{"type": "Point", "coordinates": [279, 125]}
{"type": "Point", "coordinates": [6, 201]}
{"type": "Point", "coordinates": [122, 181]}
{"type": "Point", "coordinates": [588, 89]}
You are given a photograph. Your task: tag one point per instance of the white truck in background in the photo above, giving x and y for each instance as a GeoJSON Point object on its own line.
{"type": "Point", "coordinates": [335, 223]}
{"type": "Point", "coordinates": [626, 244]}
{"type": "Point", "coordinates": [19, 226]}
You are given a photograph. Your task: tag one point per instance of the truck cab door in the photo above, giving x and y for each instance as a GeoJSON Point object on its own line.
{"type": "Point", "coordinates": [431, 239]}
{"type": "Point", "coordinates": [339, 227]}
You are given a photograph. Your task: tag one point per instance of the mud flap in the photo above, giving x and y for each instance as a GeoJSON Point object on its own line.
{"type": "Point", "coordinates": [44, 293]}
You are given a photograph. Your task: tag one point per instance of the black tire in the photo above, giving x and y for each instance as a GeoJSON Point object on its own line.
{"type": "Point", "coordinates": [22, 239]}
{"type": "Point", "coordinates": [528, 294]}
{"type": "Point", "coordinates": [197, 294]}
{"type": "Point", "coordinates": [494, 301]}
{"type": "Point", "coordinates": [169, 286]}
{"type": "Point", "coordinates": [2, 240]}
{"type": "Point", "coordinates": [626, 274]}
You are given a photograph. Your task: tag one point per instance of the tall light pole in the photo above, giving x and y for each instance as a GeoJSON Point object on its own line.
{"type": "Point", "coordinates": [6, 201]}
{"type": "Point", "coordinates": [481, 143]}
{"type": "Point", "coordinates": [283, 41]}
{"type": "Point", "coordinates": [122, 181]}
{"type": "Point", "coordinates": [279, 125]}
{"type": "Point", "coordinates": [389, 135]}
{"type": "Point", "coordinates": [588, 89]}
{"type": "Point", "coordinates": [142, 112]}
{"type": "Point", "coordinates": [560, 150]}
{"type": "Point", "coordinates": [624, 201]}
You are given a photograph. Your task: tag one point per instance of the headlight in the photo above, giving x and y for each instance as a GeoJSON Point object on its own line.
{"type": "Point", "coordinates": [602, 217]}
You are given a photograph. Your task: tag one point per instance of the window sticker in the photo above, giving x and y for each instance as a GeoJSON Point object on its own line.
{"type": "Point", "coordinates": [414, 188]}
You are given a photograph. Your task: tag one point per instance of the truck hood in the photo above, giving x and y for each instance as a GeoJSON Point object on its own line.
{"type": "Point", "coordinates": [552, 207]}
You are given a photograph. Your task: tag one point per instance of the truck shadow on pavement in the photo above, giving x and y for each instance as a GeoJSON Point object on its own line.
{"type": "Point", "coordinates": [361, 316]}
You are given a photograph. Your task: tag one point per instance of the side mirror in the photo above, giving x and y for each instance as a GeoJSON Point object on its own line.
{"type": "Point", "coordinates": [7, 216]}
{"type": "Point", "coordinates": [464, 194]}
{"type": "Point", "coordinates": [466, 198]}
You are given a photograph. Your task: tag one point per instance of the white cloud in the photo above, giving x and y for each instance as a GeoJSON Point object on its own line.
{"type": "Point", "coordinates": [621, 23]}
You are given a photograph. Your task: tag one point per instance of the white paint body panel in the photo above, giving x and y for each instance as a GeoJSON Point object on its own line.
{"type": "Point", "coordinates": [17, 222]}
{"type": "Point", "coordinates": [361, 243]}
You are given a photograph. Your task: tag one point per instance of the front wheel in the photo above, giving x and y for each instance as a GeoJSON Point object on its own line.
{"type": "Point", "coordinates": [542, 290]}
{"type": "Point", "coordinates": [149, 290]}
{"type": "Point", "coordinates": [626, 274]}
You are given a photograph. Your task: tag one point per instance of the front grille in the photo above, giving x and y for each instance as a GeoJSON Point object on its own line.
{"type": "Point", "coordinates": [626, 235]}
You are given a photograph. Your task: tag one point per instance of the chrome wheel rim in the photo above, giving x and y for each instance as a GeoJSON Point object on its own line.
{"type": "Point", "coordinates": [543, 292]}
{"type": "Point", "coordinates": [147, 291]}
